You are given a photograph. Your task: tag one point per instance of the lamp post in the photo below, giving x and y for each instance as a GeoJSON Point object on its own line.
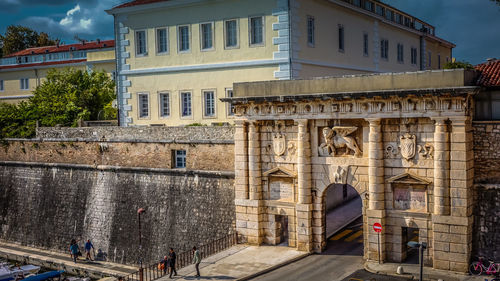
{"type": "Point", "coordinates": [141, 270]}
{"type": "Point", "coordinates": [421, 247]}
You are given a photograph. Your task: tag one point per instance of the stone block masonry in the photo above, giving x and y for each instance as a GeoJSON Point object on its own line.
{"type": "Point", "coordinates": [487, 152]}
{"type": "Point", "coordinates": [486, 238]}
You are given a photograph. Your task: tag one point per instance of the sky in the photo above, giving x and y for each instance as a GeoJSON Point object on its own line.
{"type": "Point", "coordinates": [472, 25]}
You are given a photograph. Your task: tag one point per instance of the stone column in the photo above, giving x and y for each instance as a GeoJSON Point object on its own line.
{"type": "Point", "coordinates": [304, 206]}
{"type": "Point", "coordinates": [254, 167]}
{"type": "Point", "coordinates": [241, 160]}
{"type": "Point", "coordinates": [441, 169]}
{"type": "Point", "coordinates": [376, 191]}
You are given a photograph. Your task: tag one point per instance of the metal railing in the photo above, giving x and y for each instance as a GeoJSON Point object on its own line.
{"type": "Point", "coordinates": [155, 270]}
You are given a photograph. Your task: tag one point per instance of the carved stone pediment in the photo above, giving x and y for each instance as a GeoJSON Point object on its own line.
{"type": "Point", "coordinates": [279, 172]}
{"type": "Point", "coordinates": [407, 178]}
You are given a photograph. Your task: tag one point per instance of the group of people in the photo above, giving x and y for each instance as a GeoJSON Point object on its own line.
{"type": "Point", "coordinates": [75, 252]}
{"type": "Point", "coordinates": [168, 262]}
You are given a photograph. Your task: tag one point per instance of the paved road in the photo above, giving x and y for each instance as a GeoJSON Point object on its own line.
{"type": "Point", "coordinates": [344, 255]}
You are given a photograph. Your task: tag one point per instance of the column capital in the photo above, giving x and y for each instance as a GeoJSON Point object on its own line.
{"type": "Point", "coordinates": [302, 122]}
{"type": "Point", "coordinates": [459, 119]}
{"type": "Point", "coordinates": [374, 121]}
{"type": "Point", "coordinates": [440, 120]}
{"type": "Point", "coordinates": [240, 122]}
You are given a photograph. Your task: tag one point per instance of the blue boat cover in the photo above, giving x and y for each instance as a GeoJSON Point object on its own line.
{"type": "Point", "coordinates": [44, 276]}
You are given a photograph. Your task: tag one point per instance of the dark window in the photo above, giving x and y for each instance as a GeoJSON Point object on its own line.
{"type": "Point", "coordinates": [487, 106]}
{"type": "Point", "coordinates": [384, 49]}
{"type": "Point", "coordinates": [400, 53]}
{"type": "Point", "coordinates": [179, 158]}
{"type": "Point", "coordinates": [365, 44]}
{"type": "Point", "coordinates": [310, 30]}
{"type": "Point", "coordinates": [413, 55]}
{"type": "Point", "coordinates": [380, 10]}
{"type": "Point", "coordinates": [341, 37]}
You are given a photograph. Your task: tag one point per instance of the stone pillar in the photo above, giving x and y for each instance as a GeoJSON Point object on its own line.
{"type": "Point", "coordinates": [304, 206]}
{"type": "Point", "coordinates": [241, 160]}
{"type": "Point", "coordinates": [254, 167]}
{"type": "Point", "coordinates": [376, 191]}
{"type": "Point", "coordinates": [452, 231]}
{"type": "Point", "coordinates": [441, 169]}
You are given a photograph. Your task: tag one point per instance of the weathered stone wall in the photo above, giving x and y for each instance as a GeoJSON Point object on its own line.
{"type": "Point", "coordinates": [487, 152]}
{"type": "Point", "coordinates": [486, 240]}
{"type": "Point", "coordinates": [46, 206]}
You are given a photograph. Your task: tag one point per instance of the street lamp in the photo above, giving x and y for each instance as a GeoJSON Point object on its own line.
{"type": "Point", "coordinates": [421, 247]}
{"type": "Point", "coordinates": [141, 270]}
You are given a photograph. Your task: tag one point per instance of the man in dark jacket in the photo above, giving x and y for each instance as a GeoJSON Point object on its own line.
{"type": "Point", "coordinates": [172, 257]}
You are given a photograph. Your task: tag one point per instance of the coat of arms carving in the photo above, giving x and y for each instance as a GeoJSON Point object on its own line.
{"type": "Point", "coordinates": [408, 146]}
{"type": "Point", "coordinates": [279, 144]}
{"type": "Point", "coordinates": [338, 137]}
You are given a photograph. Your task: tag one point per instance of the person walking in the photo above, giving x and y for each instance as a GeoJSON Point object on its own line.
{"type": "Point", "coordinates": [88, 247]}
{"type": "Point", "coordinates": [74, 250]}
{"type": "Point", "coordinates": [196, 261]}
{"type": "Point", "coordinates": [172, 257]}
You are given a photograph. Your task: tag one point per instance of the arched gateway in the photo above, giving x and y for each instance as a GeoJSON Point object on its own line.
{"type": "Point", "coordinates": [407, 151]}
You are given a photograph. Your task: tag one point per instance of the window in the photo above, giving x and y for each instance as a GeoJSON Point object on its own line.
{"type": "Point", "coordinates": [369, 6]}
{"type": "Point", "coordinates": [429, 56]}
{"type": "Point", "coordinates": [185, 104]}
{"type": "Point", "coordinates": [140, 43]}
{"type": "Point", "coordinates": [231, 31]}
{"type": "Point", "coordinates": [398, 18]}
{"type": "Point", "coordinates": [408, 22]}
{"type": "Point", "coordinates": [143, 99]}
{"type": "Point", "coordinates": [310, 31]}
{"type": "Point", "coordinates": [365, 45]}
{"type": "Point", "coordinates": [230, 107]}
{"type": "Point", "coordinates": [256, 31]}
{"type": "Point", "coordinates": [24, 84]}
{"type": "Point", "coordinates": [439, 61]}
{"type": "Point", "coordinates": [1, 86]}
{"type": "Point", "coordinates": [207, 36]}
{"type": "Point", "coordinates": [209, 103]}
{"type": "Point", "coordinates": [380, 10]}
{"type": "Point", "coordinates": [179, 157]}
{"type": "Point", "coordinates": [341, 38]}
{"type": "Point", "coordinates": [389, 15]}
{"type": "Point", "coordinates": [161, 41]}
{"type": "Point", "coordinates": [400, 53]}
{"type": "Point", "coordinates": [357, 2]}
{"type": "Point", "coordinates": [183, 38]}
{"type": "Point", "coordinates": [414, 56]}
{"type": "Point", "coordinates": [384, 49]}
{"type": "Point", "coordinates": [164, 104]}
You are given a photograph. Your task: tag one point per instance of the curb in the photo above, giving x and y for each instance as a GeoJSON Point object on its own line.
{"type": "Point", "coordinates": [408, 276]}
{"type": "Point", "coordinates": [272, 268]}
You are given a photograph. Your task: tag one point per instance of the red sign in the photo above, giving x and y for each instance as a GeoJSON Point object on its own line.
{"type": "Point", "coordinates": [377, 227]}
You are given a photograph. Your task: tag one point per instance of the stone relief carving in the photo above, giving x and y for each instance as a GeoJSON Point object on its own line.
{"type": "Point", "coordinates": [291, 148]}
{"type": "Point", "coordinates": [391, 151]}
{"type": "Point", "coordinates": [338, 137]}
{"type": "Point", "coordinates": [340, 176]}
{"type": "Point", "coordinates": [407, 146]}
{"type": "Point", "coordinates": [426, 151]}
{"type": "Point", "coordinates": [279, 144]}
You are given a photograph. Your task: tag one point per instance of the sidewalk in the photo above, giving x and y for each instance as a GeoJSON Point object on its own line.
{"type": "Point", "coordinates": [343, 215]}
{"type": "Point", "coordinates": [58, 261]}
{"type": "Point", "coordinates": [412, 271]}
{"type": "Point", "coordinates": [240, 262]}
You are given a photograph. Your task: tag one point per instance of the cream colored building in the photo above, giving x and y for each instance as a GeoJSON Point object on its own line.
{"type": "Point", "coordinates": [23, 71]}
{"type": "Point", "coordinates": [177, 59]}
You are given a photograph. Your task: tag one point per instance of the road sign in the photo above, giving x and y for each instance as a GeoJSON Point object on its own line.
{"type": "Point", "coordinates": [377, 227]}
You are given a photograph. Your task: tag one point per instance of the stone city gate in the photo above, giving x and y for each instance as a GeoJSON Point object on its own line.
{"type": "Point", "coordinates": [407, 152]}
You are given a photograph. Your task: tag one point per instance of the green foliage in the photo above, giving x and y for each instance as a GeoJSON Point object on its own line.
{"type": "Point", "coordinates": [195, 125]}
{"type": "Point", "coordinates": [458, 64]}
{"type": "Point", "coordinates": [17, 38]}
{"type": "Point", "coordinates": [62, 99]}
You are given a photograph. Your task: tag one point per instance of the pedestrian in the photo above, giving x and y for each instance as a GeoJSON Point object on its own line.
{"type": "Point", "coordinates": [88, 247]}
{"type": "Point", "coordinates": [196, 261]}
{"type": "Point", "coordinates": [165, 265]}
{"type": "Point", "coordinates": [172, 257]}
{"type": "Point", "coordinates": [74, 250]}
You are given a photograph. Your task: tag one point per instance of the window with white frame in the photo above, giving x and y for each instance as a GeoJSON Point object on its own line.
{"type": "Point", "coordinates": [230, 106]}
{"type": "Point", "coordinates": [341, 37]}
{"type": "Point", "coordinates": [414, 56]}
{"type": "Point", "coordinates": [164, 104]}
{"type": "Point", "coordinates": [365, 44]}
{"type": "Point", "coordinates": [231, 32]}
{"type": "Point", "coordinates": [400, 53]}
{"type": "Point", "coordinates": [310, 31]}
{"type": "Point", "coordinates": [209, 103]}
{"type": "Point", "coordinates": [384, 49]}
{"type": "Point", "coordinates": [179, 157]}
{"type": "Point", "coordinates": [24, 83]}
{"type": "Point", "coordinates": [1, 86]}
{"type": "Point", "coordinates": [140, 43]}
{"type": "Point", "coordinates": [207, 36]}
{"type": "Point", "coordinates": [183, 38]}
{"type": "Point", "coordinates": [256, 30]}
{"type": "Point", "coordinates": [143, 104]}
{"type": "Point", "coordinates": [162, 40]}
{"type": "Point", "coordinates": [186, 104]}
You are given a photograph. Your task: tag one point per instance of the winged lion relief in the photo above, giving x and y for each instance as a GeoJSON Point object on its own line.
{"type": "Point", "coordinates": [337, 138]}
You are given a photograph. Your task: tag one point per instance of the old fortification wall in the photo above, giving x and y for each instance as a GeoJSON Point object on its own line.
{"type": "Point", "coordinates": [63, 186]}
{"type": "Point", "coordinates": [486, 241]}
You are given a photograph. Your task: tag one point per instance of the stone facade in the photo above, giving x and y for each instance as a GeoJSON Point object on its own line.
{"type": "Point", "coordinates": [486, 241]}
{"type": "Point", "coordinates": [487, 152]}
{"type": "Point", "coordinates": [407, 152]}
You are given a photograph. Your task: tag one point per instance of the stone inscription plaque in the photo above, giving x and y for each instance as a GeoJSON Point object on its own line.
{"type": "Point", "coordinates": [410, 199]}
{"type": "Point", "coordinates": [281, 189]}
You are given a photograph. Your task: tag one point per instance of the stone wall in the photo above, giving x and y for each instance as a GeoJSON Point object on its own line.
{"type": "Point", "coordinates": [46, 206]}
{"type": "Point", "coordinates": [486, 240]}
{"type": "Point", "coordinates": [487, 152]}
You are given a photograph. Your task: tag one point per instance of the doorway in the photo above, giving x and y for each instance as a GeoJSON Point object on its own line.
{"type": "Point", "coordinates": [409, 254]}
{"type": "Point", "coordinates": [282, 230]}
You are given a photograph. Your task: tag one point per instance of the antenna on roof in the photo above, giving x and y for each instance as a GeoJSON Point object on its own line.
{"type": "Point", "coordinates": [80, 39]}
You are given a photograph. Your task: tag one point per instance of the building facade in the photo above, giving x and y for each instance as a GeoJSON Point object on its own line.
{"type": "Point", "coordinates": [407, 152]}
{"type": "Point", "coordinates": [23, 71]}
{"type": "Point", "coordinates": [177, 59]}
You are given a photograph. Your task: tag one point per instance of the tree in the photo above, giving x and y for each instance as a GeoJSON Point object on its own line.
{"type": "Point", "coordinates": [458, 64]}
{"type": "Point", "coordinates": [17, 38]}
{"type": "Point", "coordinates": [62, 99]}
